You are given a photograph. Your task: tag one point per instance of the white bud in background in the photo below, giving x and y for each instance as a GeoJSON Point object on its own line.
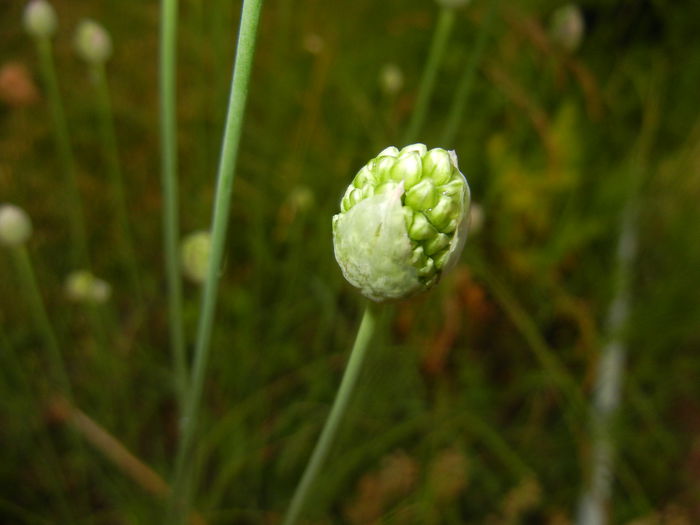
{"type": "Point", "coordinates": [567, 27]}
{"type": "Point", "coordinates": [93, 43]}
{"type": "Point", "coordinates": [476, 218]}
{"type": "Point", "coordinates": [195, 251]}
{"type": "Point", "coordinates": [313, 43]}
{"type": "Point", "coordinates": [391, 79]}
{"type": "Point", "coordinates": [40, 19]}
{"type": "Point", "coordinates": [83, 287]}
{"type": "Point", "coordinates": [15, 225]}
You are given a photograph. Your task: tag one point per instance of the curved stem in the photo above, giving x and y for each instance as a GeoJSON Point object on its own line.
{"type": "Point", "coordinates": [330, 429]}
{"type": "Point", "coordinates": [466, 81]}
{"type": "Point", "coordinates": [76, 216]}
{"type": "Point", "coordinates": [41, 318]}
{"type": "Point", "coordinates": [226, 173]}
{"type": "Point", "coordinates": [168, 137]}
{"type": "Point", "coordinates": [109, 140]}
{"type": "Point", "coordinates": [443, 29]}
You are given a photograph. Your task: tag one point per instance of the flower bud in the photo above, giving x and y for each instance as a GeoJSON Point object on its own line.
{"type": "Point", "coordinates": [403, 222]}
{"type": "Point", "coordinates": [83, 287]}
{"type": "Point", "coordinates": [195, 251]}
{"type": "Point", "coordinates": [15, 225]}
{"type": "Point", "coordinates": [92, 41]}
{"type": "Point", "coordinates": [40, 19]}
{"type": "Point", "coordinates": [567, 27]}
{"type": "Point", "coordinates": [391, 79]}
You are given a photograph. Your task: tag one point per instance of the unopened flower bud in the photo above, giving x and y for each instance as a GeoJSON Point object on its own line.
{"type": "Point", "coordinates": [15, 225]}
{"type": "Point", "coordinates": [195, 252]}
{"type": "Point", "coordinates": [567, 27]}
{"type": "Point", "coordinates": [92, 41]}
{"type": "Point", "coordinates": [40, 19]}
{"type": "Point", "coordinates": [82, 286]}
{"type": "Point", "coordinates": [402, 222]}
{"type": "Point", "coordinates": [391, 79]}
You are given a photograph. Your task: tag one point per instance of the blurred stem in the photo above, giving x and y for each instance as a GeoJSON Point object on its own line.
{"type": "Point", "coordinates": [30, 287]}
{"type": "Point", "coordinates": [466, 81]}
{"type": "Point", "coordinates": [443, 29]}
{"type": "Point", "coordinates": [330, 429]}
{"type": "Point", "coordinates": [109, 140]}
{"type": "Point", "coordinates": [226, 173]}
{"type": "Point", "coordinates": [79, 255]}
{"type": "Point", "coordinates": [168, 137]}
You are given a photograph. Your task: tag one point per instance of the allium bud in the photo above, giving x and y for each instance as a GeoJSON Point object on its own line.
{"type": "Point", "coordinates": [195, 251]}
{"type": "Point", "coordinates": [391, 79]}
{"type": "Point", "coordinates": [567, 27]}
{"type": "Point", "coordinates": [82, 286]}
{"type": "Point", "coordinates": [40, 19]}
{"type": "Point", "coordinates": [402, 222]}
{"type": "Point", "coordinates": [92, 41]}
{"type": "Point", "coordinates": [15, 225]}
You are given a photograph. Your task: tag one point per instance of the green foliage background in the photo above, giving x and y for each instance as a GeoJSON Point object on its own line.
{"type": "Point", "coordinates": [472, 408]}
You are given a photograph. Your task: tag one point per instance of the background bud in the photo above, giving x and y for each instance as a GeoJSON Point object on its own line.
{"type": "Point", "coordinates": [40, 18]}
{"type": "Point", "coordinates": [567, 27]}
{"type": "Point", "coordinates": [195, 251]}
{"type": "Point", "coordinates": [82, 286]}
{"type": "Point", "coordinates": [92, 41]}
{"type": "Point", "coordinates": [15, 225]}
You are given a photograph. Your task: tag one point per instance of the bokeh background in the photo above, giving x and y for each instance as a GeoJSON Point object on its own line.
{"type": "Point", "coordinates": [473, 405]}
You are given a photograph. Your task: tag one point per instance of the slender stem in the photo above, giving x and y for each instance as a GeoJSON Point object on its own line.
{"type": "Point", "coordinates": [609, 378]}
{"type": "Point", "coordinates": [65, 153]}
{"type": "Point", "coordinates": [466, 81]}
{"type": "Point", "coordinates": [109, 140]}
{"type": "Point", "coordinates": [330, 429]}
{"type": "Point", "coordinates": [443, 29]}
{"type": "Point", "coordinates": [41, 318]}
{"type": "Point", "coordinates": [225, 178]}
{"type": "Point", "coordinates": [168, 137]}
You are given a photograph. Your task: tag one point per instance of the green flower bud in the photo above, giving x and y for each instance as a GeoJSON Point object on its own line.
{"type": "Point", "coordinates": [402, 222]}
{"type": "Point", "coordinates": [567, 27]}
{"type": "Point", "coordinates": [92, 42]}
{"type": "Point", "coordinates": [195, 251]}
{"type": "Point", "coordinates": [82, 286]}
{"type": "Point", "coordinates": [40, 19]}
{"type": "Point", "coordinates": [15, 225]}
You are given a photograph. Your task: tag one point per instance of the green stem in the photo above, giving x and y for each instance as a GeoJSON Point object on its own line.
{"type": "Point", "coordinates": [330, 429]}
{"type": "Point", "coordinates": [443, 29]}
{"type": "Point", "coordinates": [168, 136]}
{"type": "Point", "coordinates": [466, 81]}
{"type": "Point", "coordinates": [29, 284]}
{"type": "Point", "coordinates": [79, 257]}
{"type": "Point", "coordinates": [109, 140]}
{"type": "Point", "coordinates": [225, 178]}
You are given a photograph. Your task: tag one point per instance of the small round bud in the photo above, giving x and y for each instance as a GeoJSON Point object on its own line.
{"type": "Point", "coordinates": [195, 251]}
{"type": "Point", "coordinates": [403, 222]}
{"type": "Point", "coordinates": [15, 225]}
{"type": "Point", "coordinates": [40, 19]}
{"type": "Point", "coordinates": [567, 27]}
{"type": "Point", "coordinates": [391, 79]}
{"type": "Point", "coordinates": [92, 41]}
{"type": "Point", "coordinates": [83, 287]}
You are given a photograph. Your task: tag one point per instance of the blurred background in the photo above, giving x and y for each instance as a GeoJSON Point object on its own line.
{"type": "Point", "coordinates": [473, 406]}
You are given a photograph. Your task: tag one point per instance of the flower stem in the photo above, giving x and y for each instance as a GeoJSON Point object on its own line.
{"type": "Point", "coordinates": [29, 284]}
{"type": "Point", "coordinates": [330, 429]}
{"type": "Point", "coordinates": [79, 256]}
{"type": "Point", "coordinates": [466, 81]}
{"type": "Point", "coordinates": [168, 137]}
{"type": "Point", "coordinates": [109, 140]}
{"type": "Point", "coordinates": [225, 178]}
{"type": "Point", "coordinates": [443, 29]}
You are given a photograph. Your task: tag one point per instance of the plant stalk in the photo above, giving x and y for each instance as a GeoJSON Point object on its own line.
{"type": "Point", "coordinates": [330, 429]}
{"type": "Point", "coordinates": [443, 29]}
{"type": "Point", "coordinates": [169, 184]}
{"type": "Point", "coordinates": [111, 148]}
{"type": "Point", "coordinates": [76, 217]}
{"type": "Point", "coordinates": [225, 178]}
